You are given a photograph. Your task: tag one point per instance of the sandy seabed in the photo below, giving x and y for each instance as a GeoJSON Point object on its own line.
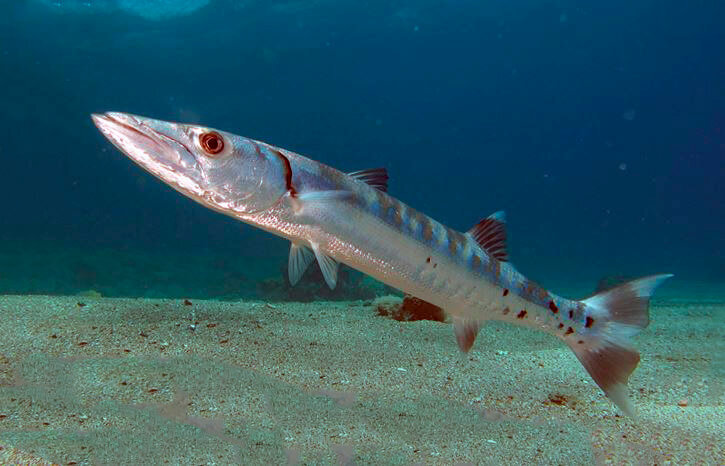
{"type": "Point", "coordinates": [139, 381]}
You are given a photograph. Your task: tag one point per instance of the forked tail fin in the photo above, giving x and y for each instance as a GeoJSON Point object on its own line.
{"type": "Point", "coordinates": [613, 316]}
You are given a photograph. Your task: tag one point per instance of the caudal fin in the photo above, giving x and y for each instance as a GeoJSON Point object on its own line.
{"type": "Point", "coordinates": [612, 317]}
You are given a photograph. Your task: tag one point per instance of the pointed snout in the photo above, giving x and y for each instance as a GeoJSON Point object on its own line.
{"type": "Point", "coordinates": [160, 147]}
{"type": "Point", "coordinates": [111, 123]}
{"type": "Point", "coordinates": [102, 119]}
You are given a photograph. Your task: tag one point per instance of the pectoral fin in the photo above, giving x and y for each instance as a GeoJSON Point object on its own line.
{"type": "Point", "coordinates": [300, 200]}
{"type": "Point", "coordinates": [324, 196]}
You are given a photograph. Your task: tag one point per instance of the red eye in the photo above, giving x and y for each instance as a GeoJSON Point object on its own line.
{"type": "Point", "coordinates": [212, 142]}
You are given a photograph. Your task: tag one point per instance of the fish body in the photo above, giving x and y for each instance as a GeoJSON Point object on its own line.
{"type": "Point", "coordinates": [335, 217]}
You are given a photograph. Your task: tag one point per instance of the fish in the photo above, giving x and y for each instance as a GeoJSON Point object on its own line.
{"type": "Point", "coordinates": [335, 217]}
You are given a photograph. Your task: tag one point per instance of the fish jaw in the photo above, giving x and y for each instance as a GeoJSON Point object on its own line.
{"type": "Point", "coordinates": [159, 147]}
{"type": "Point", "coordinates": [231, 174]}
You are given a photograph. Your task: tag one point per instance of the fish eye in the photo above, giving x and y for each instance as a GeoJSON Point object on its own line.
{"type": "Point", "coordinates": [212, 142]}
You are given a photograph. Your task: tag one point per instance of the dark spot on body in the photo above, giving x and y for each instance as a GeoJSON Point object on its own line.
{"type": "Point", "coordinates": [561, 325]}
{"type": "Point", "coordinates": [569, 331]}
{"type": "Point", "coordinates": [552, 307]}
{"type": "Point", "coordinates": [505, 291]}
{"type": "Point", "coordinates": [589, 322]}
{"type": "Point", "coordinates": [571, 314]}
{"type": "Point", "coordinates": [187, 302]}
{"type": "Point", "coordinates": [427, 261]}
{"type": "Point", "coordinates": [506, 311]}
{"type": "Point", "coordinates": [581, 342]}
{"type": "Point", "coordinates": [521, 314]}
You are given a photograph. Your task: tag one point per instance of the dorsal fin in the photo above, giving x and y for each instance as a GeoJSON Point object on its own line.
{"type": "Point", "coordinates": [375, 177]}
{"type": "Point", "coordinates": [490, 234]}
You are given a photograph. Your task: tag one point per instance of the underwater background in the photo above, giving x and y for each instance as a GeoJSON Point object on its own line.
{"type": "Point", "coordinates": [598, 128]}
{"type": "Point", "coordinates": [138, 327]}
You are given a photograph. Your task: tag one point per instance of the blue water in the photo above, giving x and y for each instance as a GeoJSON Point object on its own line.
{"type": "Point", "coordinates": [598, 129]}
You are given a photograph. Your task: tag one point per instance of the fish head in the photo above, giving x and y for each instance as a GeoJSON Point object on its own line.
{"type": "Point", "coordinates": [228, 173]}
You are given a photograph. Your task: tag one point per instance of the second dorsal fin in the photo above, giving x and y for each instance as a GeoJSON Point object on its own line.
{"type": "Point", "coordinates": [375, 177]}
{"type": "Point", "coordinates": [490, 234]}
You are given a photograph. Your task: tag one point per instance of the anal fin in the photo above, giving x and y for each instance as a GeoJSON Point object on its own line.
{"type": "Point", "coordinates": [466, 331]}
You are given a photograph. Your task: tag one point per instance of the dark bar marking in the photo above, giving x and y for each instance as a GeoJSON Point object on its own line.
{"type": "Point", "coordinates": [287, 170]}
{"type": "Point", "coordinates": [398, 214]}
{"type": "Point", "coordinates": [427, 230]}
{"type": "Point", "coordinates": [452, 242]}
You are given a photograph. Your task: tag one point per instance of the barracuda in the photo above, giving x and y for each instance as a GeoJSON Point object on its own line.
{"type": "Point", "coordinates": [335, 217]}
